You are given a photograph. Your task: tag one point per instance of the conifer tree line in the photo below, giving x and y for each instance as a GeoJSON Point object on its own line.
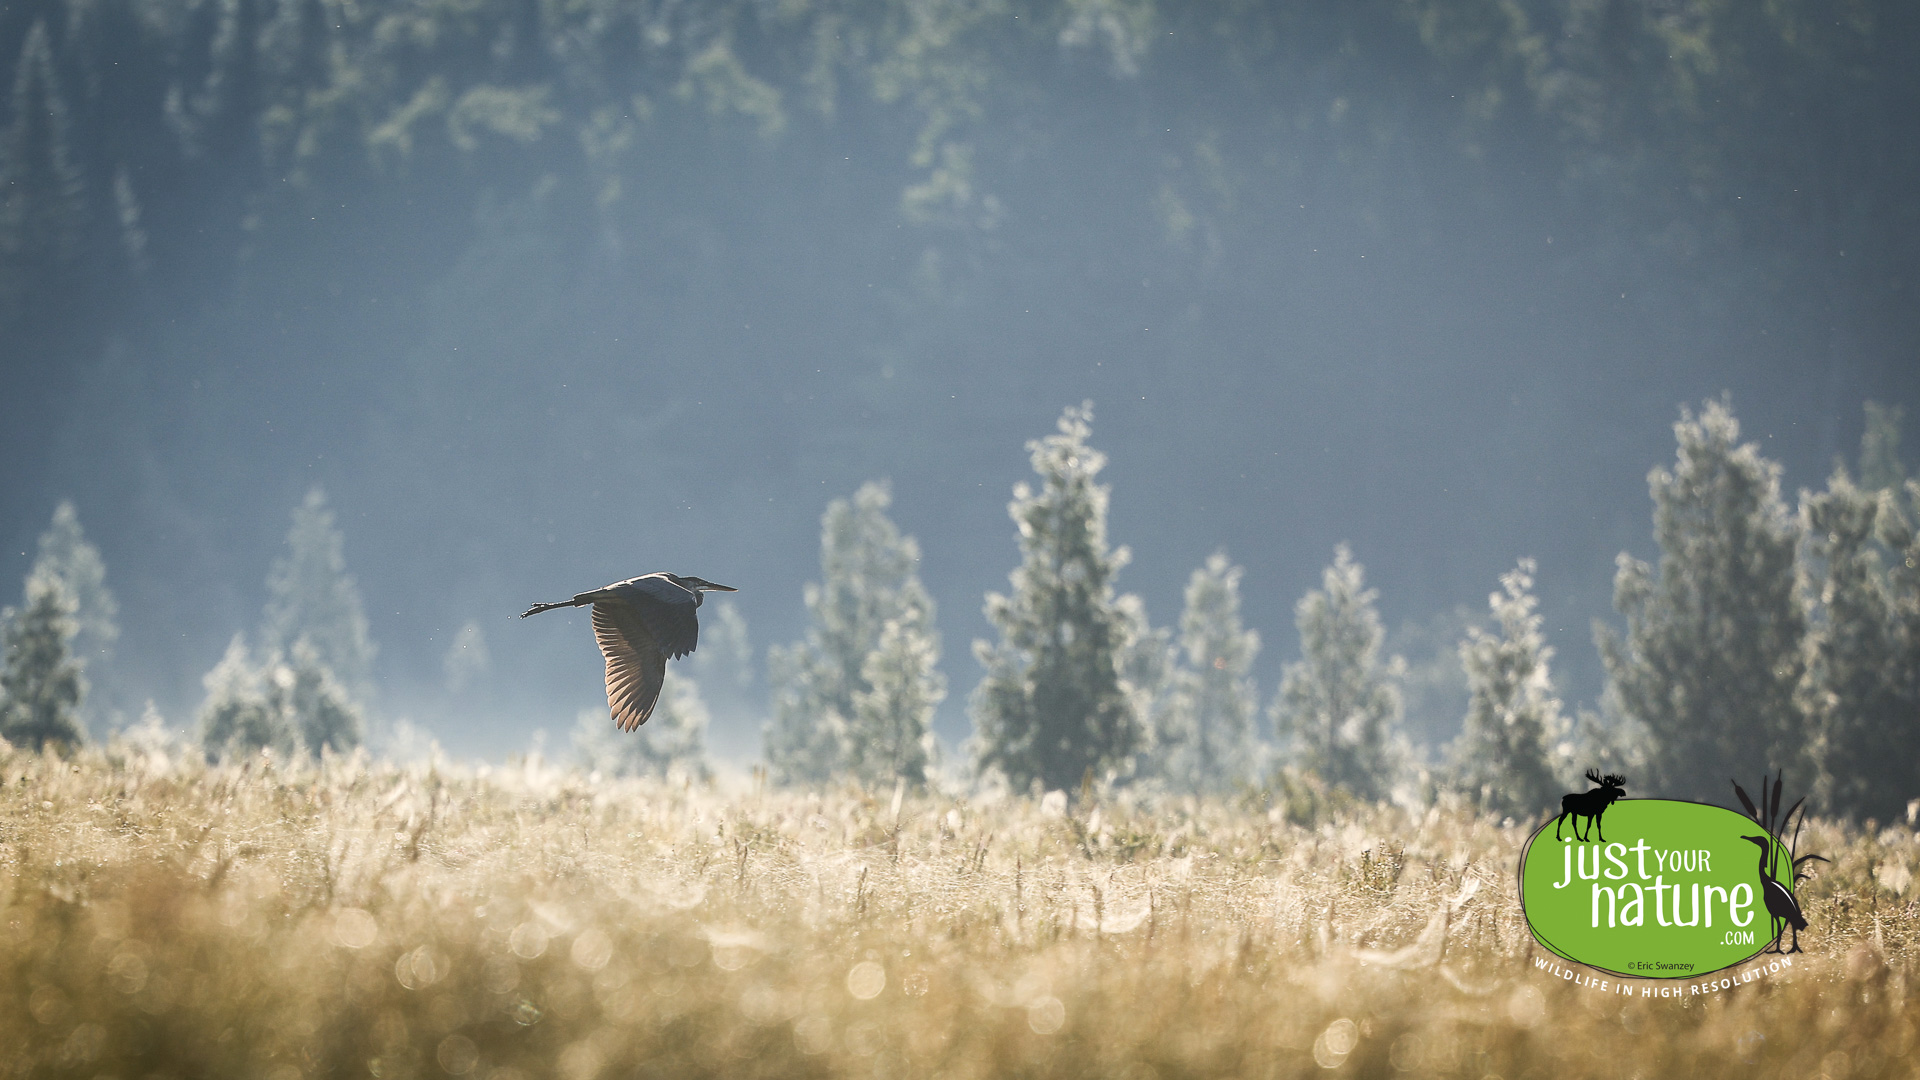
{"type": "Point", "coordinates": [68, 620]}
{"type": "Point", "coordinates": [301, 688]}
{"type": "Point", "coordinates": [141, 140]}
{"type": "Point", "coordinates": [1764, 637]}
{"type": "Point", "coordinates": [855, 699]}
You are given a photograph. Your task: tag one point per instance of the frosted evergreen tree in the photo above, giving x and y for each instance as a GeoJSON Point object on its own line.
{"type": "Point", "coordinates": [1712, 655]}
{"type": "Point", "coordinates": [1880, 466]}
{"type": "Point", "coordinates": [726, 651]}
{"type": "Point", "coordinates": [1150, 672]}
{"type": "Point", "coordinates": [150, 737]}
{"type": "Point", "coordinates": [1212, 748]}
{"type": "Point", "coordinates": [1054, 705]}
{"type": "Point", "coordinates": [805, 742]}
{"type": "Point", "coordinates": [67, 555]}
{"type": "Point", "coordinates": [41, 686]}
{"type": "Point", "coordinates": [1903, 602]}
{"type": "Point", "coordinates": [311, 597]}
{"type": "Point", "coordinates": [868, 579]}
{"type": "Point", "coordinates": [724, 665]}
{"type": "Point", "coordinates": [672, 743]}
{"type": "Point", "coordinates": [42, 194]}
{"type": "Point", "coordinates": [1609, 740]}
{"type": "Point", "coordinates": [1515, 744]}
{"type": "Point", "coordinates": [324, 714]}
{"type": "Point", "coordinates": [239, 716]}
{"type": "Point", "coordinates": [893, 717]}
{"type": "Point", "coordinates": [1858, 686]}
{"type": "Point", "coordinates": [1337, 709]}
{"type": "Point", "coordinates": [289, 705]}
{"type": "Point", "coordinates": [1433, 685]}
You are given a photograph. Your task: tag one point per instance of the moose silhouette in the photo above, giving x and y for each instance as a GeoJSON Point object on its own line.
{"type": "Point", "coordinates": [1590, 804]}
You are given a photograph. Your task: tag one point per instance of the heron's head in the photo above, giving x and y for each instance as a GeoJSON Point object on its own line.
{"type": "Point", "coordinates": [699, 585]}
{"type": "Point", "coordinates": [1764, 842]}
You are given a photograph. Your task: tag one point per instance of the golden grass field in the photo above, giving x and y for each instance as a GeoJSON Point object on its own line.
{"type": "Point", "coordinates": [170, 919]}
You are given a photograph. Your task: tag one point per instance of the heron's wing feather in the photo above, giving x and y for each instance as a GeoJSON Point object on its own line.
{"type": "Point", "coordinates": [636, 667]}
{"type": "Point", "coordinates": [669, 611]}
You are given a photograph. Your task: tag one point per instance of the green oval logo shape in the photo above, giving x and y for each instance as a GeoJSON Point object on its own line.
{"type": "Point", "coordinates": [1676, 890]}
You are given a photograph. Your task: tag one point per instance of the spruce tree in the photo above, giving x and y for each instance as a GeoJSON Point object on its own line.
{"type": "Point", "coordinates": [42, 197]}
{"type": "Point", "coordinates": [1433, 685]}
{"type": "Point", "coordinates": [805, 742]}
{"type": "Point", "coordinates": [1150, 673]}
{"type": "Point", "coordinates": [239, 716]}
{"type": "Point", "coordinates": [323, 713]}
{"type": "Point", "coordinates": [1607, 739]}
{"type": "Point", "coordinates": [1866, 722]}
{"type": "Point", "coordinates": [1054, 705]}
{"type": "Point", "coordinates": [1514, 745]}
{"type": "Point", "coordinates": [893, 716]}
{"type": "Point", "coordinates": [311, 597]}
{"type": "Point", "coordinates": [1713, 654]}
{"type": "Point", "coordinates": [236, 93]}
{"type": "Point", "coordinates": [1337, 710]}
{"type": "Point", "coordinates": [672, 743]}
{"type": "Point", "coordinates": [1897, 532]}
{"type": "Point", "coordinates": [726, 650]}
{"type": "Point", "coordinates": [724, 665]}
{"type": "Point", "coordinates": [288, 704]}
{"type": "Point", "coordinates": [312, 35]}
{"type": "Point", "coordinates": [67, 556]}
{"type": "Point", "coordinates": [818, 731]}
{"type": "Point", "coordinates": [40, 682]}
{"type": "Point", "coordinates": [1212, 748]}
{"type": "Point", "coordinates": [150, 737]}
{"type": "Point", "coordinates": [1880, 466]}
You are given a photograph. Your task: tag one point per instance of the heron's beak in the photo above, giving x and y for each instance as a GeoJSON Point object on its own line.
{"type": "Point", "coordinates": [711, 587]}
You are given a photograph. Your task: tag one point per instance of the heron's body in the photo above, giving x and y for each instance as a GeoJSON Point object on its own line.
{"type": "Point", "coordinates": [1781, 906]}
{"type": "Point", "coordinates": [641, 623]}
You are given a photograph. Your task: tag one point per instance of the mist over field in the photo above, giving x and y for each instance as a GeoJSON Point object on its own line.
{"type": "Point", "coordinates": [544, 295]}
{"type": "Point", "coordinates": [1175, 499]}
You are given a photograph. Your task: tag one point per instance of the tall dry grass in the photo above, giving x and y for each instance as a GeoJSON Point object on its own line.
{"type": "Point", "coordinates": [170, 919]}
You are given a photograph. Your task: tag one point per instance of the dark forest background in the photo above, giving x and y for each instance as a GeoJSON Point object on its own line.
{"type": "Point", "coordinates": [547, 294]}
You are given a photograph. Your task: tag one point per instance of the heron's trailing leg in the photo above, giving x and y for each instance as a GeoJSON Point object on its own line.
{"type": "Point", "coordinates": [538, 608]}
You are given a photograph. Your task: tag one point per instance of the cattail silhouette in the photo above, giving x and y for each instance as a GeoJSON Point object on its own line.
{"type": "Point", "coordinates": [1782, 907]}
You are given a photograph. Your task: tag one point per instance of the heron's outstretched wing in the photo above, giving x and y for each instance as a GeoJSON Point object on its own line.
{"type": "Point", "coordinates": [668, 610]}
{"type": "Point", "coordinates": [636, 667]}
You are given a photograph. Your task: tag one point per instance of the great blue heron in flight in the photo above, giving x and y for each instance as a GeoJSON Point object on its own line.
{"type": "Point", "coordinates": [641, 623]}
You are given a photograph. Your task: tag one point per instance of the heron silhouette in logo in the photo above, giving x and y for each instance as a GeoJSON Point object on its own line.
{"type": "Point", "coordinates": [1590, 804]}
{"type": "Point", "coordinates": [641, 623]}
{"type": "Point", "coordinates": [1782, 907]}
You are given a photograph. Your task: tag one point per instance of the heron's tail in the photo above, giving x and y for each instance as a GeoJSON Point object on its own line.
{"type": "Point", "coordinates": [538, 608]}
